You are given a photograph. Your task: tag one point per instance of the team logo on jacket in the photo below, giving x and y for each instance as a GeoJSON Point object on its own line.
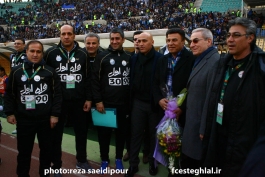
{"type": "Point", "coordinates": [240, 74]}
{"type": "Point", "coordinates": [118, 77]}
{"type": "Point", "coordinates": [124, 63]}
{"type": "Point", "coordinates": [112, 61]}
{"type": "Point", "coordinates": [23, 78]}
{"type": "Point", "coordinates": [73, 59]}
{"type": "Point", "coordinates": [37, 91]}
{"type": "Point", "coordinates": [37, 78]}
{"type": "Point", "coordinates": [58, 58]}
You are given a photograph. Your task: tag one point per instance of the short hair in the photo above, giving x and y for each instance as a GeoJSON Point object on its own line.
{"type": "Point", "coordinates": [34, 42]}
{"type": "Point", "coordinates": [20, 39]}
{"type": "Point", "coordinates": [176, 30]}
{"type": "Point", "coordinates": [206, 33]}
{"type": "Point", "coordinates": [92, 35]}
{"type": "Point", "coordinates": [137, 32]}
{"type": "Point", "coordinates": [2, 69]}
{"type": "Point", "coordinates": [68, 25]}
{"type": "Point", "coordinates": [250, 25]}
{"type": "Point", "coordinates": [173, 26]}
{"type": "Point", "coordinates": [117, 30]}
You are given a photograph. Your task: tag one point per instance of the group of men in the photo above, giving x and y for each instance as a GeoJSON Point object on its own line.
{"type": "Point", "coordinates": [220, 117]}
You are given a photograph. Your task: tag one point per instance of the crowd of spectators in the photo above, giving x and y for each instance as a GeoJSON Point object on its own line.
{"type": "Point", "coordinates": [43, 18]}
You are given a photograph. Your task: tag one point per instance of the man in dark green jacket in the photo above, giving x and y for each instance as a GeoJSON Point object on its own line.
{"type": "Point", "coordinates": [236, 105]}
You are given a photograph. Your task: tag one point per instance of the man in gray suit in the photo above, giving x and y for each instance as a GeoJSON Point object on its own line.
{"type": "Point", "coordinates": [198, 88]}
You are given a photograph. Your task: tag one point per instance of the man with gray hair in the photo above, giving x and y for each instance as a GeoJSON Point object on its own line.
{"type": "Point", "coordinates": [236, 106]}
{"type": "Point", "coordinates": [92, 42]}
{"type": "Point", "coordinates": [198, 87]}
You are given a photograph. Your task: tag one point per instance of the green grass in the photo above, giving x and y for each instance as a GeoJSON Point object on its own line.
{"type": "Point", "coordinates": [68, 146]}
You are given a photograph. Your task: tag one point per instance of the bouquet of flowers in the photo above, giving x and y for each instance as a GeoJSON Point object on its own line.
{"type": "Point", "coordinates": [168, 145]}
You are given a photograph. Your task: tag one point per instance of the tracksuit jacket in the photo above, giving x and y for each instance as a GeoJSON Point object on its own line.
{"type": "Point", "coordinates": [45, 86]}
{"type": "Point", "coordinates": [58, 58]}
{"type": "Point", "coordinates": [110, 78]}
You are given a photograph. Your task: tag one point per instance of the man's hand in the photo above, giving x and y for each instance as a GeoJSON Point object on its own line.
{"type": "Point", "coordinates": [53, 121]}
{"type": "Point", "coordinates": [178, 112]}
{"type": "Point", "coordinates": [201, 136]}
{"type": "Point", "coordinates": [163, 103]}
{"type": "Point", "coordinates": [87, 106]}
{"type": "Point", "coordinates": [100, 107]}
{"type": "Point", "coordinates": [11, 119]}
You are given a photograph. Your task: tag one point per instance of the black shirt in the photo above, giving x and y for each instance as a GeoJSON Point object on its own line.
{"type": "Point", "coordinates": [230, 96]}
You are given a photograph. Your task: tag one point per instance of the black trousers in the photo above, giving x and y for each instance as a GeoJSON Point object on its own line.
{"type": "Point", "coordinates": [188, 162]}
{"type": "Point", "coordinates": [26, 132]}
{"type": "Point", "coordinates": [71, 110]}
{"type": "Point", "coordinates": [146, 142]}
{"type": "Point", "coordinates": [141, 115]}
{"type": "Point", "coordinates": [104, 133]}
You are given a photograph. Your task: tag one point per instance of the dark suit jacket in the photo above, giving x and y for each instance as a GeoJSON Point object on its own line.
{"type": "Point", "coordinates": [180, 78]}
{"type": "Point", "coordinates": [133, 70]}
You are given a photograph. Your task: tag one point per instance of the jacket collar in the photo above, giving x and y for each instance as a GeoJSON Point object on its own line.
{"type": "Point", "coordinates": [60, 45]}
{"type": "Point", "coordinates": [115, 51]}
{"type": "Point", "coordinates": [29, 64]}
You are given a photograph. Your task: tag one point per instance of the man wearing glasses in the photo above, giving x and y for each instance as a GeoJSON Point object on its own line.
{"type": "Point", "coordinates": [198, 87]}
{"type": "Point", "coordinates": [135, 43]}
{"type": "Point", "coordinates": [236, 108]}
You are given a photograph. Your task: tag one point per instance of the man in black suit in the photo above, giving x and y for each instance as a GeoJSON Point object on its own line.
{"type": "Point", "coordinates": [146, 140]}
{"type": "Point", "coordinates": [173, 71]}
{"type": "Point", "coordinates": [135, 43]}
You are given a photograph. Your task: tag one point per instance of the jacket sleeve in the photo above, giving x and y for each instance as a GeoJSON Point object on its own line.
{"type": "Point", "coordinates": [46, 58]}
{"type": "Point", "coordinates": [10, 95]}
{"type": "Point", "coordinates": [96, 86]}
{"type": "Point", "coordinates": [88, 88]}
{"type": "Point", "coordinates": [158, 84]}
{"type": "Point", "coordinates": [210, 80]}
{"type": "Point", "coordinates": [57, 95]}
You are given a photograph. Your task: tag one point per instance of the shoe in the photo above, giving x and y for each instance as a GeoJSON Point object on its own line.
{"type": "Point", "coordinates": [152, 169]}
{"type": "Point", "coordinates": [119, 165]}
{"type": "Point", "coordinates": [131, 171]}
{"type": "Point", "coordinates": [104, 165]}
{"type": "Point", "coordinates": [145, 159]}
{"type": "Point", "coordinates": [126, 157]}
{"type": "Point", "coordinates": [14, 132]}
{"type": "Point", "coordinates": [86, 166]}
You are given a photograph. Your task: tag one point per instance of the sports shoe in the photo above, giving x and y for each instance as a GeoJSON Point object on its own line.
{"type": "Point", "coordinates": [104, 165]}
{"type": "Point", "coordinates": [14, 132]}
{"type": "Point", "coordinates": [86, 166]}
{"type": "Point", "coordinates": [119, 165]}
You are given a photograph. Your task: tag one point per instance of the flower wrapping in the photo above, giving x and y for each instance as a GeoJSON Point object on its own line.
{"type": "Point", "coordinates": [168, 144]}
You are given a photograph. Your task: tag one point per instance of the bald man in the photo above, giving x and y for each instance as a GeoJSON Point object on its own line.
{"type": "Point", "coordinates": [143, 112]}
{"type": "Point", "coordinates": [72, 65]}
